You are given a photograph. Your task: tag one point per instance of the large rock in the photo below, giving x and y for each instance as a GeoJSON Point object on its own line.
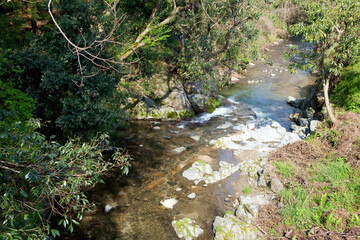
{"type": "Point", "coordinates": [174, 103]}
{"type": "Point", "coordinates": [231, 227]}
{"type": "Point", "coordinates": [263, 135]}
{"type": "Point", "coordinates": [143, 111]}
{"type": "Point", "coordinates": [276, 185]}
{"type": "Point", "coordinates": [186, 229]}
{"type": "Point", "coordinates": [199, 102]}
{"type": "Point", "coordinates": [177, 97]}
{"type": "Point", "coordinates": [295, 102]}
{"type": "Point", "coordinates": [314, 124]}
{"type": "Point", "coordinates": [200, 171]}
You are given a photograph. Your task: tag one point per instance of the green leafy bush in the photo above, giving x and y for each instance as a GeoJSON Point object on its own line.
{"type": "Point", "coordinates": [41, 179]}
{"type": "Point", "coordinates": [15, 105]}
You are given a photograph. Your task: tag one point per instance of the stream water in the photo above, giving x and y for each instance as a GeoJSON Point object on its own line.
{"type": "Point", "coordinates": [134, 200]}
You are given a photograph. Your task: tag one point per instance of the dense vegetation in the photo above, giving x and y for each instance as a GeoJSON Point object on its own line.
{"type": "Point", "coordinates": [69, 69]}
{"type": "Point", "coordinates": [347, 92]}
{"type": "Point", "coordinates": [333, 29]}
{"type": "Point", "coordinates": [75, 65]}
{"type": "Point", "coordinates": [321, 176]}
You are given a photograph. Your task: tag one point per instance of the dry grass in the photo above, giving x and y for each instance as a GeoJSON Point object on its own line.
{"type": "Point", "coordinates": [305, 157]}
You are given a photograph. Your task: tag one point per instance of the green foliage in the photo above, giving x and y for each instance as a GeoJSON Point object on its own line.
{"type": "Point", "coordinates": [205, 45]}
{"type": "Point", "coordinates": [336, 188]}
{"type": "Point", "coordinates": [347, 92]}
{"type": "Point", "coordinates": [247, 190]}
{"type": "Point", "coordinates": [354, 221]}
{"type": "Point", "coordinates": [42, 179]}
{"type": "Point", "coordinates": [333, 29]}
{"type": "Point", "coordinates": [15, 105]}
{"type": "Point", "coordinates": [186, 114]}
{"type": "Point", "coordinates": [172, 115]}
{"type": "Point", "coordinates": [334, 171]}
{"type": "Point", "coordinates": [285, 169]}
{"type": "Point", "coordinates": [19, 22]}
{"type": "Point", "coordinates": [334, 137]}
{"type": "Point", "coordinates": [212, 104]}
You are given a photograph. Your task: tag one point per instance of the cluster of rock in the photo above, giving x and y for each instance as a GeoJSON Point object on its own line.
{"type": "Point", "coordinates": [308, 112]}
{"type": "Point", "coordinates": [238, 226]}
{"type": "Point", "coordinates": [174, 104]}
{"type": "Point", "coordinates": [305, 118]}
{"type": "Point", "coordinates": [260, 136]}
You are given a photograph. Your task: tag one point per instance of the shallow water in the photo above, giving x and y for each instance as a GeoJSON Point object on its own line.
{"type": "Point", "coordinates": [156, 172]}
{"type": "Point", "coordinates": [267, 93]}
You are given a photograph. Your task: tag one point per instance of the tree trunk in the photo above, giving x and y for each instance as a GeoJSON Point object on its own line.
{"type": "Point", "coordinates": [326, 82]}
{"type": "Point", "coordinates": [327, 101]}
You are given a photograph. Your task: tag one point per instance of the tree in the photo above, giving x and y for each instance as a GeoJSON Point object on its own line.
{"type": "Point", "coordinates": [333, 27]}
{"type": "Point", "coordinates": [93, 50]}
{"type": "Point", "coordinates": [211, 35]}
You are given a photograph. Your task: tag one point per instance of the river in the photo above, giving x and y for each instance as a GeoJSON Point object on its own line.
{"type": "Point", "coordinates": [132, 203]}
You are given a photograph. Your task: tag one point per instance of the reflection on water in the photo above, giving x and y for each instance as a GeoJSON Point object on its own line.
{"type": "Point", "coordinates": [156, 172]}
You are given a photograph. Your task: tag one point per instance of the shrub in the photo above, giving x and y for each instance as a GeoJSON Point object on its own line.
{"type": "Point", "coordinates": [42, 179]}
{"type": "Point", "coordinates": [14, 104]}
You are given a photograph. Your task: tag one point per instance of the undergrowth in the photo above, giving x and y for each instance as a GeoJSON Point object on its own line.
{"type": "Point", "coordinates": [285, 169]}
{"type": "Point", "coordinates": [347, 92]}
{"type": "Point", "coordinates": [330, 201]}
{"type": "Point", "coordinates": [322, 184]}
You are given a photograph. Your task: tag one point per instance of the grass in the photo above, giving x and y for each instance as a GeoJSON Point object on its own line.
{"type": "Point", "coordinates": [347, 92]}
{"type": "Point", "coordinates": [285, 169]}
{"type": "Point", "coordinates": [247, 190]}
{"type": "Point", "coordinates": [335, 187]}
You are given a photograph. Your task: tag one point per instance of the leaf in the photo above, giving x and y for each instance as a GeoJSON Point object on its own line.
{"type": "Point", "coordinates": [75, 222]}
{"type": "Point", "coordinates": [55, 233]}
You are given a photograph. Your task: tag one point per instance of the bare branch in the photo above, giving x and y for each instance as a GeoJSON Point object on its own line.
{"type": "Point", "coordinates": [92, 52]}
{"type": "Point", "coordinates": [138, 42]}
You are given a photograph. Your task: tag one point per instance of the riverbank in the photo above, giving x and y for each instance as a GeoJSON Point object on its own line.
{"type": "Point", "coordinates": [321, 178]}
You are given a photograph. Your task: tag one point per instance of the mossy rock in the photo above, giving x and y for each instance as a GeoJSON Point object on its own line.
{"type": "Point", "coordinates": [186, 114]}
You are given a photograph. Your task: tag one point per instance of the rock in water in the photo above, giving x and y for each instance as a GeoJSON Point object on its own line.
{"type": "Point", "coordinates": [231, 227]}
{"type": "Point", "coordinates": [186, 229]}
{"type": "Point", "coordinates": [169, 203]}
{"type": "Point", "coordinates": [179, 150]}
{"type": "Point", "coordinates": [225, 125]}
{"type": "Point", "coordinates": [201, 171]}
{"type": "Point", "coordinates": [196, 137]}
{"type": "Point", "coordinates": [108, 208]}
{"type": "Point", "coordinates": [192, 195]}
{"type": "Point", "coordinates": [290, 99]}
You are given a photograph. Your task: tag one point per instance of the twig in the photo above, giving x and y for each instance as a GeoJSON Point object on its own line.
{"type": "Point", "coordinates": [261, 230]}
